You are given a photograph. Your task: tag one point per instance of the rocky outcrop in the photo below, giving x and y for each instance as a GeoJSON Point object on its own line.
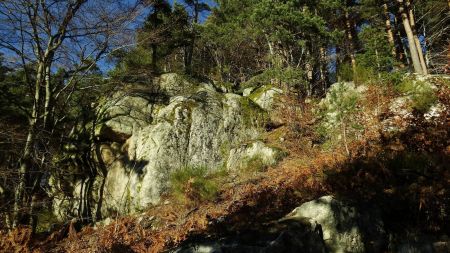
{"type": "Point", "coordinates": [148, 133]}
{"type": "Point", "coordinates": [417, 99]}
{"type": "Point", "coordinates": [292, 236]}
{"type": "Point", "coordinates": [345, 228]}
{"type": "Point", "coordinates": [322, 225]}
{"type": "Point", "coordinates": [264, 96]}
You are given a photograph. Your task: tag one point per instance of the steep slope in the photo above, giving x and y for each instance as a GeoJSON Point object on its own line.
{"type": "Point", "coordinates": [148, 133]}
{"type": "Point", "coordinates": [394, 168]}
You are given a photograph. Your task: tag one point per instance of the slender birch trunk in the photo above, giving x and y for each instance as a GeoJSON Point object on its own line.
{"type": "Point", "coordinates": [403, 54]}
{"type": "Point", "coordinates": [409, 33]}
{"type": "Point", "coordinates": [389, 32]}
{"type": "Point", "coordinates": [416, 38]}
{"type": "Point", "coordinates": [26, 160]}
{"type": "Point", "coordinates": [349, 28]}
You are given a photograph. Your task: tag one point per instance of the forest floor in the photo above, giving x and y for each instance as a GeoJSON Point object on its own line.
{"type": "Point", "coordinates": [406, 174]}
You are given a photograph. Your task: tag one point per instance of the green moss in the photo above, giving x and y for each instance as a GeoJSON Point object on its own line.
{"type": "Point", "coordinates": [253, 115]}
{"type": "Point", "coordinates": [422, 95]}
{"type": "Point", "coordinates": [225, 148]}
{"type": "Point", "coordinates": [254, 164]}
{"type": "Point", "coordinates": [229, 87]}
{"type": "Point", "coordinates": [46, 218]}
{"type": "Point", "coordinates": [256, 94]}
{"type": "Point", "coordinates": [194, 184]}
{"type": "Point", "coordinates": [189, 105]}
{"type": "Point", "coordinates": [280, 154]}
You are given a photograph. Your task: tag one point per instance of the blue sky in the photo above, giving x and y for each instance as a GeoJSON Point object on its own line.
{"type": "Point", "coordinates": [211, 3]}
{"type": "Point", "coordinates": [103, 64]}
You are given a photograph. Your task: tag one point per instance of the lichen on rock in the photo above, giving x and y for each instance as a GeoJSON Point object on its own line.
{"type": "Point", "coordinates": [179, 123]}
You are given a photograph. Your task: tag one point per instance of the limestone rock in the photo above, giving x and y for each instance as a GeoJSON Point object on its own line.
{"type": "Point", "coordinates": [174, 84]}
{"type": "Point", "coordinates": [344, 228]}
{"type": "Point", "coordinates": [190, 130]}
{"type": "Point", "coordinates": [401, 109]}
{"type": "Point", "coordinates": [247, 91]}
{"type": "Point", "coordinates": [242, 156]}
{"type": "Point", "coordinates": [339, 101]}
{"type": "Point", "coordinates": [265, 96]}
{"type": "Point", "coordinates": [289, 237]}
{"type": "Point", "coordinates": [124, 114]}
{"type": "Point", "coordinates": [150, 133]}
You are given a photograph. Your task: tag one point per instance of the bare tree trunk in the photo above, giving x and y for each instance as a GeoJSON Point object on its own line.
{"type": "Point", "coordinates": [154, 57]}
{"type": "Point", "coordinates": [389, 32]}
{"type": "Point", "coordinates": [402, 53]}
{"type": "Point", "coordinates": [338, 62]}
{"type": "Point", "coordinates": [43, 32]}
{"type": "Point", "coordinates": [271, 51]}
{"type": "Point", "coordinates": [416, 39]}
{"type": "Point", "coordinates": [344, 136]}
{"type": "Point", "coordinates": [24, 169]}
{"type": "Point", "coordinates": [190, 48]}
{"type": "Point", "coordinates": [349, 28]}
{"type": "Point", "coordinates": [26, 160]}
{"type": "Point", "coordinates": [411, 42]}
{"type": "Point", "coordinates": [323, 68]}
{"type": "Point", "coordinates": [309, 73]}
{"type": "Point", "coordinates": [48, 97]}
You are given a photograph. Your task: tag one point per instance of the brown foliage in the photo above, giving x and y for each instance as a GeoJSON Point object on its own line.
{"type": "Point", "coordinates": [18, 240]}
{"type": "Point", "coordinates": [374, 174]}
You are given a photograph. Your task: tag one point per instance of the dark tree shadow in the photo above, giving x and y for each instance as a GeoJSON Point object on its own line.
{"type": "Point", "coordinates": [404, 176]}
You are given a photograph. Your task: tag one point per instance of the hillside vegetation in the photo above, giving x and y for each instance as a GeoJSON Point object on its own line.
{"type": "Point", "coordinates": [224, 126]}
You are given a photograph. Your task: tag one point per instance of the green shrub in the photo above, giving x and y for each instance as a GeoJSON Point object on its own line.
{"type": "Point", "coordinates": [422, 94]}
{"type": "Point", "coordinates": [361, 75]}
{"type": "Point", "coordinates": [364, 75]}
{"type": "Point", "coordinates": [292, 77]}
{"type": "Point", "coordinates": [46, 219]}
{"type": "Point", "coordinates": [345, 73]}
{"type": "Point", "coordinates": [376, 53]}
{"type": "Point", "coordinates": [338, 113]}
{"type": "Point", "coordinates": [414, 162]}
{"type": "Point", "coordinates": [195, 184]}
{"type": "Point", "coordinates": [254, 164]}
{"type": "Point", "coordinates": [392, 78]}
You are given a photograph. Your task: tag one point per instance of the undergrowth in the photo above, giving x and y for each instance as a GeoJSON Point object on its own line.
{"type": "Point", "coordinates": [195, 184]}
{"type": "Point", "coordinates": [406, 175]}
{"type": "Point", "coordinates": [422, 95]}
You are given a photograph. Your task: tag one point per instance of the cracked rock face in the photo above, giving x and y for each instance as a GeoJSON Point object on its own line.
{"type": "Point", "coordinates": [326, 224]}
{"type": "Point", "coordinates": [180, 124]}
{"type": "Point", "coordinates": [344, 227]}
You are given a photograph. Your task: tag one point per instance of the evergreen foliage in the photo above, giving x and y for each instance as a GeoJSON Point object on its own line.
{"type": "Point", "coordinates": [53, 72]}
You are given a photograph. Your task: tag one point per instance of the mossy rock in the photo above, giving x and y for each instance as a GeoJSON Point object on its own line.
{"type": "Point", "coordinates": [265, 96]}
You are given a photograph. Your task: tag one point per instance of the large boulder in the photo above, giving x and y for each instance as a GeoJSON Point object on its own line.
{"type": "Point", "coordinates": [265, 96]}
{"type": "Point", "coordinates": [149, 133]}
{"type": "Point", "coordinates": [292, 236]}
{"type": "Point", "coordinates": [345, 228]}
{"type": "Point", "coordinates": [197, 130]}
{"type": "Point", "coordinates": [124, 114]}
{"type": "Point", "coordinates": [417, 98]}
{"type": "Point", "coordinates": [322, 225]}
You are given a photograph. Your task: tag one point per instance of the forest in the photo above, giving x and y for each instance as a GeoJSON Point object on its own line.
{"type": "Point", "coordinates": [63, 62]}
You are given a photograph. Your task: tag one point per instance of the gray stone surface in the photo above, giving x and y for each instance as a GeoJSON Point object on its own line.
{"type": "Point", "coordinates": [150, 135]}
{"type": "Point", "coordinates": [292, 236]}
{"type": "Point", "coordinates": [264, 96]}
{"type": "Point", "coordinates": [345, 229]}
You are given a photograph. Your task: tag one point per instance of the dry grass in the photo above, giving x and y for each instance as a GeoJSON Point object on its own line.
{"type": "Point", "coordinates": [307, 173]}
